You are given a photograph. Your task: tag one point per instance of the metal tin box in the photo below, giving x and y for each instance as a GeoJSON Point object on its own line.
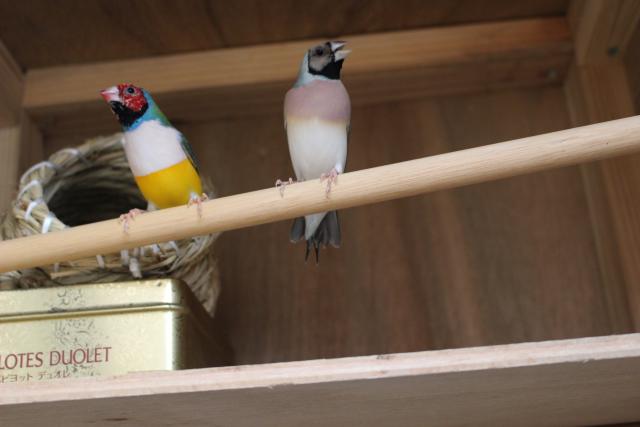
{"type": "Point", "coordinates": [102, 329]}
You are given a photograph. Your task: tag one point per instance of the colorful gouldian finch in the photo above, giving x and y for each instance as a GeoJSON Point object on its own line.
{"type": "Point", "coordinates": [317, 114]}
{"type": "Point", "coordinates": [160, 157]}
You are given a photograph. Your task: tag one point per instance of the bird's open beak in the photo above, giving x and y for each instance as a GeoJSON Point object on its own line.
{"type": "Point", "coordinates": [110, 94]}
{"type": "Point", "coordinates": [338, 52]}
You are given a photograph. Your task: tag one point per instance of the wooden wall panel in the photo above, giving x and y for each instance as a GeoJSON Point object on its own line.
{"type": "Point", "coordinates": [594, 94]}
{"type": "Point", "coordinates": [101, 30]}
{"type": "Point", "coordinates": [632, 63]}
{"type": "Point", "coordinates": [11, 84]}
{"type": "Point", "coordinates": [502, 262]}
{"type": "Point", "coordinates": [629, 221]}
{"type": "Point", "coordinates": [9, 159]}
{"type": "Point", "coordinates": [251, 81]}
{"type": "Point", "coordinates": [508, 261]}
{"type": "Point", "coordinates": [598, 89]}
{"type": "Point", "coordinates": [20, 147]}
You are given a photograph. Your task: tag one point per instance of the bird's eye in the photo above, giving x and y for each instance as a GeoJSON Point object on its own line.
{"type": "Point", "coordinates": [319, 51]}
{"type": "Point", "coordinates": [131, 90]}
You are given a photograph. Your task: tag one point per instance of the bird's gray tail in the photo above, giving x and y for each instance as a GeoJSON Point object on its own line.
{"type": "Point", "coordinates": [327, 233]}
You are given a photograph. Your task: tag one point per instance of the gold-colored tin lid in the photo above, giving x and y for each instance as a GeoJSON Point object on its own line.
{"type": "Point", "coordinates": [103, 329]}
{"type": "Point", "coordinates": [103, 296]}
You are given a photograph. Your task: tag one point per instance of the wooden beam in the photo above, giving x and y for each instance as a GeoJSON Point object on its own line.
{"type": "Point", "coordinates": [589, 381]}
{"type": "Point", "coordinates": [632, 62]}
{"type": "Point", "coordinates": [11, 84]}
{"type": "Point", "coordinates": [20, 147]}
{"type": "Point", "coordinates": [602, 28]}
{"type": "Point", "coordinates": [279, 63]}
{"type": "Point", "coordinates": [366, 186]}
{"type": "Point", "coordinates": [595, 94]}
{"type": "Point", "coordinates": [252, 80]}
{"type": "Point", "coordinates": [9, 159]}
{"type": "Point", "coordinates": [597, 89]}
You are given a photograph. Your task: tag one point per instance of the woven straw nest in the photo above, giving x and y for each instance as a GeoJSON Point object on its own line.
{"type": "Point", "coordinates": [91, 183]}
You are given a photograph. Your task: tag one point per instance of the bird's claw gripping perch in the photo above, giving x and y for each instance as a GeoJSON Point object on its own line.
{"type": "Point", "coordinates": [129, 216]}
{"type": "Point", "coordinates": [197, 200]}
{"type": "Point", "coordinates": [281, 185]}
{"type": "Point", "coordinates": [331, 178]}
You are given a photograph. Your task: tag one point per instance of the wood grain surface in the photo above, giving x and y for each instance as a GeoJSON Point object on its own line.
{"type": "Point", "coordinates": [598, 88]}
{"type": "Point", "coordinates": [11, 86]}
{"type": "Point", "coordinates": [632, 62]}
{"type": "Point", "coordinates": [602, 28]}
{"type": "Point", "coordinates": [105, 30]}
{"type": "Point", "coordinates": [596, 93]}
{"type": "Point", "coordinates": [630, 211]}
{"type": "Point", "coordinates": [9, 160]}
{"type": "Point", "coordinates": [573, 382]}
{"type": "Point", "coordinates": [250, 81]}
{"type": "Point", "coordinates": [501, 262]}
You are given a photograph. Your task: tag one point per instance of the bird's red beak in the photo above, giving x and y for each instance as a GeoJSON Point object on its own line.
{"type": "Point", "coordinates": [110, 94]}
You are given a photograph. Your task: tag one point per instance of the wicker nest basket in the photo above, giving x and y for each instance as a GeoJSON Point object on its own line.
{"type": "Point", "coordinates": [91, 183]}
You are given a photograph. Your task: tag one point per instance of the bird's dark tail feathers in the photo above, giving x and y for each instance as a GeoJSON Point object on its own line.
{"type": "Point", "coordinates": [328, 233]}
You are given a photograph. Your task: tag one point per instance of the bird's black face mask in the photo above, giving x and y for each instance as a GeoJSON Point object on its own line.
{"type": "Point", "coordinates": [126, 116]}
{"type": "Point", "coordinates": [322, 61]}
{"type": "Point", "coordinates": [331, 70]}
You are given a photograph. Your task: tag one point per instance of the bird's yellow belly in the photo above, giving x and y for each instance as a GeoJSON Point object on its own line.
{"type": "Point", "coordinates": [172, 186]}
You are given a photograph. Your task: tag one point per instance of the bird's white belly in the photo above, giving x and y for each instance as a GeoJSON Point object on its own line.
{"type": "Point", "coordinates": [152, 147]}
{"type": "Point", "coordinates": [316, 146]}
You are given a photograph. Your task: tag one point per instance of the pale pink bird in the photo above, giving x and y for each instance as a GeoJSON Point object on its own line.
{"type": "Point", "coordinates": [317, 115]}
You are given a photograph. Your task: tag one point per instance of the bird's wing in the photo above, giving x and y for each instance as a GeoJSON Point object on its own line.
{"type": "Point", "coordinates": [188, 151]}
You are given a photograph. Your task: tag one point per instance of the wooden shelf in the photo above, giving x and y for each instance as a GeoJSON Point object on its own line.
{"type": "Point", "coordinates": [570, 382]}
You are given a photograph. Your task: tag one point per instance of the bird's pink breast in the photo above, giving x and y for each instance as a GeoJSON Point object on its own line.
{"type": "Point", "coordinates": [327, 100]}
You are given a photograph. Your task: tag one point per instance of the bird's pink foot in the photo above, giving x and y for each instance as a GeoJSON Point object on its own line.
{"type": "Point", "coordinates": [332, 179]}
{"type": "Point", "coordinates": [129, 216]}
{"type": "Point", "coordinates": [197, 200]}
{"type": "Point", "coordinates": [281, 185]}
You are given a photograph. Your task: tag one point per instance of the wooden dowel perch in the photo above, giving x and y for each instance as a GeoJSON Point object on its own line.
{"type": "Point", "coordinates": [362, 187]}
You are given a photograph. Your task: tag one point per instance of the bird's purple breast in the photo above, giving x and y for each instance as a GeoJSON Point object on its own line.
{"type": "Point", "coordinates": [327, 100]}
